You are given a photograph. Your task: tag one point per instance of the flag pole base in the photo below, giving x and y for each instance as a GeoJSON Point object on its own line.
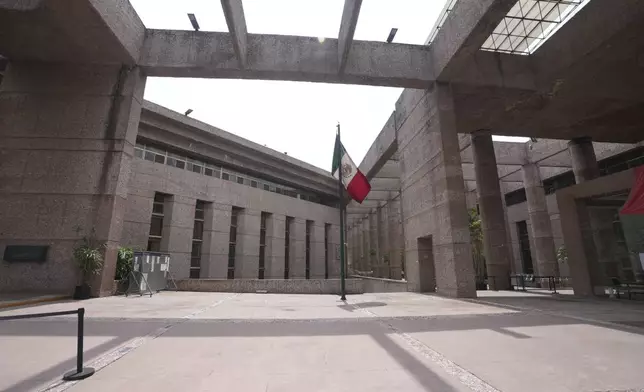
{"type": "Point", "coordinates": [75, 375]}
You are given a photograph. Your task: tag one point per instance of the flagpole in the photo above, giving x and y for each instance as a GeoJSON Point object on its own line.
{"type": "Point", "coordinates": [341, 195]}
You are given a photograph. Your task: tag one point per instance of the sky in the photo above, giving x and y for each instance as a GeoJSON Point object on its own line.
{"type": "Point", "coordinates": [294, 117]}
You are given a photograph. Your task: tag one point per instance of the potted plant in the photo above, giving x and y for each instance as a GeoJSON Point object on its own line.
{"type": "Point", "coordinates": [124, 259]}
{"type": "Point", "coordinates": [89, 261]}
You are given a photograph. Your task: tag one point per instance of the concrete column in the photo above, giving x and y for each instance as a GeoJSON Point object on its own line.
{"type": "Point", "coordinates": [136, 221]}
{"type": "Point", "coordinates": [317, 250]}
{"type": "Point", "coordinates": [396, 239]}
{"type": "Point", "coordinates": [334, 252]}
{"type": "Point", "coordinates": [584, 161]}
{"type": "Point", "coordinates": [541, 228]}
{"type": "Point", "coordinates": [374, 254]}
{"type": "Point", "coordinates": [178, 224]}
{"type": "Point", "coordinates": [275, 261]}
{"type": "Point", "coordinates": [357, 245]}
{"type": "Point", "coordinates": [67, 135]}
{"type": "Point", "coordinates": [433, 194]}
{"type": "Point", "coordinates": [366, 250]}
{"type": "Point", "coordinates": [600, 249]}
{"type": "Point", "coordinates": [247, 251]}
{"type": "Point", "coordinates": [298, 249]}
{"type": "Point", "coordinates": [216, 238]}
{"type": "Point", "coordinates": [507, 229]}
{"type": "Point", "coordinates": [383, 241]}
{"type": "Point", "coordinates": [495, 237]}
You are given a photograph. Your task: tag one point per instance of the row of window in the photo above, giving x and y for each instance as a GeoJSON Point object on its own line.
{"type": "Point", "coordinates": [160, 155]}
{"type": "Point", "coordinates": [615, 164]}
{"type": "Point", "coordinates": [156, 234]}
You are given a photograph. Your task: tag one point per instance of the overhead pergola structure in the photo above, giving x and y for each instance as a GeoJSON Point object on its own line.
{"type": "Point", "coordinates": [551, 156]}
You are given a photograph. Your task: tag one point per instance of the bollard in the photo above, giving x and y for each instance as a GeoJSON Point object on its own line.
{"type": "Point", "coordinates": [80, 373]}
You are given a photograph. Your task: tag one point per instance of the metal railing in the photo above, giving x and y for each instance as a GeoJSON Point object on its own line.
{"type": "Point", "coordinates": [80, 372]}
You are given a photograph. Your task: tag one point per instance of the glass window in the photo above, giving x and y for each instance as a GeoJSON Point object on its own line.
{"type": "Point", "coordinates": [197, 232]}
{"type": "Point", "coordinates": [158, 158]}
{"type": "Point", "coordinates": [240, 180]}
{"type": "Point", "coordinates": [154, 245]}
{"type": "Point", "coordinates": [149, 156]}
{"type": "Point", "coordinates": [253, 184]}
{"type": "Point", "coordinates": [196, 249]}
{"type": "Point", "coordinates": [181, 164]}
{"type": "Point", "coordinates": [196, 168]}
{"type": "Point", "coordinates": [194, 272]}
{"type": "Point", "coordinates": [157, 208]}
{"type": "Point", "coordinates": [267, 187]}
{"type": "Point", "coordinates": [156, 226]}
{"type": "Point", "coordinates": [208, 171]}
{"type": "Point", "coordinates": [225, 176]}
{"type": "Point", "coordinates": [138, 153]}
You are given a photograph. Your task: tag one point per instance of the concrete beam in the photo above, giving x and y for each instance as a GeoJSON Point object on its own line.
{"type": "Point", "coordinates": [81, 31]}
{"type": "Point", "coordinates": [467, 27]}
{"type": "Point", "coordinates": [234, 13]}
{"type": "Point", "coordinates": [381, 150]}
{"type": "Point", "coordinates": [202, 54]}
{"type": "Point", "coordinates": [385, 184]}
{"type": "Point", "coordinates": [347, 30]}
{"type": "Point", "coordinates": [391, 169]}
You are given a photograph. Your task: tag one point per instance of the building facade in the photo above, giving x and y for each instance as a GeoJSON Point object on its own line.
{"type": "Point", "coordinates": [221, 206]}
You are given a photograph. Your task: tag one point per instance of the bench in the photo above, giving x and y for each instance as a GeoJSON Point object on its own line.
{"type": "Point", "coordinates": [630, 289]}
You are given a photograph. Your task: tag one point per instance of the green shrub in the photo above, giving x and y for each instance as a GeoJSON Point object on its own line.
{"type": "Point", "coordinates": [124, 262]}
{"type": "Point", "coordinates": [89, 259]}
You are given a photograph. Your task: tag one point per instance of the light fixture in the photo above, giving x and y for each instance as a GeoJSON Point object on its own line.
{"type": "Point", "coordinates": [392, 34]}
{"type": "Point", "coordinates": [187, 113]}
{"type": "Point", "coordinates": [193, 21]}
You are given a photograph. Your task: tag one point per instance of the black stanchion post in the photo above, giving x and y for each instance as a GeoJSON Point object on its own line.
{"type": "Point", "coordinates": [80, 373]}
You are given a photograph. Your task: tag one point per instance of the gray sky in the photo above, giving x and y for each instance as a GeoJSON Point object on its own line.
{"type": "Point", "coordinates": [294, 117]}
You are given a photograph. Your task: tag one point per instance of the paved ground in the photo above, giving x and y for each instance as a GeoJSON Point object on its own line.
{"type": "Point", "coordinates": [375, 342]}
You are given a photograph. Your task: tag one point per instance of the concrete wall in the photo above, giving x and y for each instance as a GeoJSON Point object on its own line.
{"type": "Point", "coordinates": [290, 286]}
{"type": "Point", "coordinates": [186, 187]}
{"type": "Point", "coordinates": [519, 212]}
{"type": "Point", "coordinates": [67, 136]}
{"type": "Point", "coordinates": [433, 194]}
{"type": "Point", "coordinates": [378, 285]}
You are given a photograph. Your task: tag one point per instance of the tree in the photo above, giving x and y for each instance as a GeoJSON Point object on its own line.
{"type": "Point", "coordinates": [476, 236]}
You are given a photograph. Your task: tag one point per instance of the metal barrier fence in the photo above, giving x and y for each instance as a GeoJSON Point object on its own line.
{"type": "Point", "coordinates": [80, 372]}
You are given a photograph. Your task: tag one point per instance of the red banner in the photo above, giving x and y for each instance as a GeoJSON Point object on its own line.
{"type": "Point", "coordinates": [635, 203]}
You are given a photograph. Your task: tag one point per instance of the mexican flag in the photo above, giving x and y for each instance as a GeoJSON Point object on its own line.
{"type": "Point", "coordinates": [354, 181]}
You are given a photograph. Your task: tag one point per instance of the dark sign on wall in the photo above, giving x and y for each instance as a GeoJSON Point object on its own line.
{"type": "Point", "coordinates": [26, 253]}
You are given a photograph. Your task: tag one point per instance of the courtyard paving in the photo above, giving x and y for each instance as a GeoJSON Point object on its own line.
{"type": "Point", "coordinates": [179, 341]}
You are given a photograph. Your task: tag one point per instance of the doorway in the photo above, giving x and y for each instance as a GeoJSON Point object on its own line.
{"type": "Point", "coordinates": [426, 271]}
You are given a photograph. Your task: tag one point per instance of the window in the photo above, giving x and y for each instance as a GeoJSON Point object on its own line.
{"type": "Point", "coordinates": [197, 240]}
{"type": "Point", "coordinates": [309, 228]}
{"type": "Point", "coordinates": [163, 156]}
{"type": "Point", "coordinates": [515, 197]}
{"type": "Point", "coordinates": [232, 243]}
{"type": "Point", "coordinates": [287, 245]}
{"type": "Point", "coordinates": [327, 230]}
{"type": "Point", "coordinates": [262, 245]}
{"type": "Point", "coordinates": [156, 223]}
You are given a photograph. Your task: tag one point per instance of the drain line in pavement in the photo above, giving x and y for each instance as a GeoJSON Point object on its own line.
{"type": "Point", "coordinates": [465, 377]}
{"type": "Point", "coordinates": [131, 345]}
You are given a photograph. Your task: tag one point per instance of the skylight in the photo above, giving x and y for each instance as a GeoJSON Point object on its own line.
{"type": "Point", "coordinates": [530, 23]}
